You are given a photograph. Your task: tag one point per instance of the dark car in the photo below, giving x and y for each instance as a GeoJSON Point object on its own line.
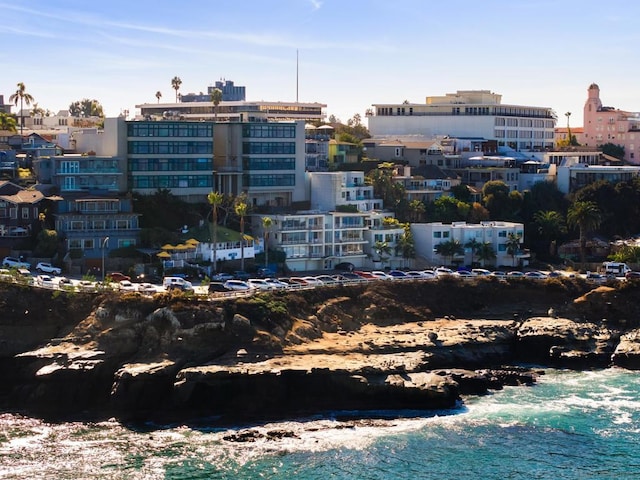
{"type": "Point", "coordinates": [217, 287]}
{"type": "Point", "coordinates": [118, 277]}
{"type": "Point", "coordinates": [632, 275]}
{"type": "Point", "coordinates": [345, 267]}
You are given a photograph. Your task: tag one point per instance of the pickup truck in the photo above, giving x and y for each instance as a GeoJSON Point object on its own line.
{"type": "Point", "coordinates": [44, 267]}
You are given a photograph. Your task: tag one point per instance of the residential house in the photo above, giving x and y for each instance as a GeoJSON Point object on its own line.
{"type": "Point", "coordinates": [426, 183]}
{"type": "Point", "coordinates": [332, 189]}
{"type": "Point", "coordinates": [20, 210]}
{"type": "Point", "coordinates": [343, 152]}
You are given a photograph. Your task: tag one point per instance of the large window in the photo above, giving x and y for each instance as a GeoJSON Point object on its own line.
{"type": "Point", "coordinates": [274, 180]}
{"type": "Point", "coordinates": [169, 164]}
{"type": "Point", "coordinates": [269, 148]}
{"type": "Point", "coordinates": [264, 163]}
{"type": "Point", "coordinates": [170, 129]}
{"type": "Point", "coordinates": [268, 131]}
{"type": "Point", "coordinates": [142, 147]}
{"type": "Point", "coordinates": [170, 181]}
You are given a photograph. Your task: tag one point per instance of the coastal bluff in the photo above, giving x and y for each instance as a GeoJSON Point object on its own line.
{"type": "Point", "coordinates": [372, 346]}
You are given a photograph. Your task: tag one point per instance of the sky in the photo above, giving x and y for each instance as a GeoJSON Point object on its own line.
{"type": "Point", "coordinates": [351, 53]}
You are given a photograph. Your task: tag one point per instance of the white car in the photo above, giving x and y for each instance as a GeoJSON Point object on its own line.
{"type": "Point", "coordinates": [481, 272]}
{"type": "Point", "coordinates": [238, 285]}
{"type": "Point", "coordinates": [44, 267]}
{"type": "Point", "coordinates": [146, 288]}
{"type": "Point", "coordinates": [126, 286]}
{"type": "Point", "coordinates": [86, 286]}
{"type": "Point", "coordinates": [260, 284]}
{"type": "Point", "coordinates": [13, 262]}
{"type": "Point", "coordinates": [45, 281]}
{"type": "Point", "coordinates": [63, 283]}
{"type": "Point", "coordinates": [277, 284]}
{"type": "Point", "coordinates": [380, 275]}
{"type": "Point", "coordinates": [443, 271]}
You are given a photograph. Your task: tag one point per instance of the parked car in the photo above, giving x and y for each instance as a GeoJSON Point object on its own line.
{"type": "Point", "coordinates": [45, 281]}
{"type": "Point", "coordinates": [279, 285]}
{"type": "Point", "coordinates": [238, 285]}
{"type": "Point", "coordinates": [63, 282]}
{"type": "Point", "coordinates": [398, 275]}
{"type": "Point", "coordinates": [217, 287]}
{"type": "Point", "coordinates": [632, 275]}
{"type": "Point", "coordinates": [86, 286]}
{"type": "Point", "coordinates": [480, 272]}
{"type": "Point", "coordinates": [499, 274]}
{"type": "Point", "coordinates": [464, 274]}
{"type": "Point", "coordinates": [146, 287]}
{"type": "Point", "coordinates": [44, 267]}
{"type": "Point", "coordinates": [222, 277]}
{"type": "Point", "coordinates": [5, 275]}
{"type": "Point", "coordinates": [126, 286]}
{"type": "Point", "coordinates": [380, 275]}
{"type": "Point", "coordinates": [176, 283]}
{"type": "Point", "coordinates": [327, 279]}
{"type": "Point", "coordinates": [536, 275]}
{"type": "Point", "coordinates": [13, 262]}
{"type": "Point", "coordinates": [515, 274]}
{"type": "Point", "coordinates": [595, 277]}
{"type": "Point", "coordinates": [260, 284]}
{"type": "Point", "coordinates": [365, 275]}
{"type": "Point", "coordinates": [443, 271]}
{"type": "Point", "coordinates": [118, 276]}
{"type": "Point", "coordinates": [313, 281]}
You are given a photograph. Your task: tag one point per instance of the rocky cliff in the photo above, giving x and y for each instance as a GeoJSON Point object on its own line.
{"type": "Point", "coordinates": [379, 345]}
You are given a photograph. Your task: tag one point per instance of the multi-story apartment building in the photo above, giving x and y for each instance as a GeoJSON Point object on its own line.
{"type": "Point", "coordinates": [469, 113]}
{"type": "Point", "coordinates": [316, 240]}
{"type": "Point", "coordinates": [264, 160]}
{"type": "Point", "coordinates": [610, 125]}
{"type": "Point", "coordinates": [332, 189]}
{"type": "Point", "coordinates": [174, 155]}
{"type": "Point", "coordinates": [389, 234]}
{"type": "Point", "coordinates": [428, 235]}
{"type": "Point", "coordinates": [426, 183]}
{"type": "Point", "coordinates": [571, 175]}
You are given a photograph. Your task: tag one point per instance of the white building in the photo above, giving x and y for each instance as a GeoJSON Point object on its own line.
{"type": "Point", "coordinates": [428, 235]}
{"type": "Point", "coordinates": [380, 231]}
{"type": "Point", "coordinates": [332, 189]}
{"type": "Point", "coordinates": [572, 175]}
{"type": "Point", "coordinates": [469, 113]}
{"type": "Point", "coordinates": [316, 240]}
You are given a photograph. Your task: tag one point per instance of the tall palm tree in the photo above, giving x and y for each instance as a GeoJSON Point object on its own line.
{"type": "Point", "coordinates": [267, 223]}
{"type": "Point", "coordinates": [416, 209]}
{"type": "Point", "coordinates": [21, 95]}
{"type": "Point", "coordinates": [550, 225]}
{"type": "Point", "coordinates": [586, 216]}
{"type": "Point", "coordinates": [215, 200]}
{"type": "Point", "coordinates": [513, 245]}
{"type": "Point", "coordinates": [383, 250]}
{"type": "Point", "coordinates": [216, 98]}
{"type": "Point", "coordinates": [486, 252]}
{"type": "Point", "coordinates": [450, 249]}
{"type": "Point", "coordinates": [158, 95]}
{"type": "Point", "coordinates": [473, 245]}
{"type": "Point", "coordinates": [175, 84]}
{"type": "Point", "coordinates": [240, 208]}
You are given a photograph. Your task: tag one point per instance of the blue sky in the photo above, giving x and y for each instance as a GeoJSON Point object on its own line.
{"type": "Point", "coordinates": [352, 53]}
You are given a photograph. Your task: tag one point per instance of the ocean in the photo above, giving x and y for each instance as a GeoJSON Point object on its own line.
{"type": "Point", "coordinates": [570, 425]}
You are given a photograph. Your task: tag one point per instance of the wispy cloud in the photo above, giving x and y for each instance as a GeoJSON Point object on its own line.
{"type": "Point", "coordinates": [316, 4]}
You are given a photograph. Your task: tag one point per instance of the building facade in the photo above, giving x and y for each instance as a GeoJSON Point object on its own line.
{"type": "Point", "coordinates": [332, 189]}
{"type": "Point", "coordinates": [428, 235]}
{"type": "Point", "coordinates": [230, 93]}
{"type": "Point", "coordinates": [610, 125]}
{"type": "Point", "coordinates": [469, 113]}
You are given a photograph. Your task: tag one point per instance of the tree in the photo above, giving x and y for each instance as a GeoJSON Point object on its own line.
{"type": "Point", "coordinates": [383, 250]}
{"type": "Point", "coordinates": [406, 245]}
{"type": "Point", "coordinates": [216, 98]}
{"type": "Point", "coordinates": [513, 246]}
{"type": "Point", "coordinates": [21, 96]}
{"type": "Point", "coordinates": [472, 245]}
{"type": "Point", "coordinates": [215, 200]}
{"type": "Point", "coordinates": [240, 208]}
{"type": "Point", "coordinates": [550, 225]}
{"type": "Point", "coordinates": [448, 209]}
{"type": "Point", "coordinates": [8, 122]}
{"type": "Point", "coordinates": [158, 95]}
{"type": "Point", "coordinates": [267, 223]}
{"type": "Point", "coordinates": [175, 84]}
{"type": "Point", "coordinates": [461, 192]}
{"type": "Point", "coordinates": [486, 252]}
{"type": "Point", "coordinates": [416, 210]}
{"type": "Point", "coordinates": [450, 249]}
{"type": "Point", "coordinates": [86, 108]}
{"type": "Point", "coordinates": [384, 186]}
{"type": "Point", "coordinates": [586, 217]}
{"type": "Point", "coordinates": [37, 110]}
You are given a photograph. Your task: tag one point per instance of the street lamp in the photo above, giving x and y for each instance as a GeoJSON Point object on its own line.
{"type": "Point", "coordinates": [104, 244]}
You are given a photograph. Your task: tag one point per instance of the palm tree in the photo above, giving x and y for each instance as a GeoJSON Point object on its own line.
{"type": "Point", "coordinates": [383, 250]}
{"type": "Point", "coordinates": [586, 216]}
{"type": "Point", "coordinates": [513, 246]}
{"type": "Point", "coordinates": [486, 252]}
{"type": "Point", "coordinates": [416, 209]}
{"type": "Point", "coordinates": [8, 122]}
{"type": "Point", "coordinates": [22, 96]}
{"type": "Point", "coordinates": [550, 225]}
{"type": "Point", "coordinates": [450, 249]}
{"type": "Point", "coordinates": [267, 223]}
{"type": "Point", "coordinates": [175, 84]}
{"type": "Point", "coordinates": [473, 245]}
{"type": "Point", "coordinates": [158, 95]}
{"type": "Point", "coordinates": [215, 200]}
{"type": "Point", "coordinates": [240, 208]}
{"type": "Point", "coordinates": [216, 98]}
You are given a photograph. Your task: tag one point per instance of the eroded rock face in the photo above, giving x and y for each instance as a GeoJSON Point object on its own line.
{"type": "Point", "coordinates": [627, 353]}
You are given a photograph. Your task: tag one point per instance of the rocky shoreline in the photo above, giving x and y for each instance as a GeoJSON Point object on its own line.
{"type": "Point", "coordinates": [405, 345]}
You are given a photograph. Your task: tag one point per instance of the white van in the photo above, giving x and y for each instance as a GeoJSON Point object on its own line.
{"type": "Point", "coordinates": [176, 283]}
{"type": "Point", "coordinates": [615, 268]}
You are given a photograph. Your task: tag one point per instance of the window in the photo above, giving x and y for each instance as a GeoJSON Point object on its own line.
{"type": "Point", "coordinates": [502, 233]}
{"type": "Point", "coordinates": [437, 234]}
{"type": "Point", "coordinates": [445, 234]}
{"type": "Point", "coordinates": [502, 247]}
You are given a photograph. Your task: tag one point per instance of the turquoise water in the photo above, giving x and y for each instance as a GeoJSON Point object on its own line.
{"type": "Point", "coordinates": [571, 425]}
